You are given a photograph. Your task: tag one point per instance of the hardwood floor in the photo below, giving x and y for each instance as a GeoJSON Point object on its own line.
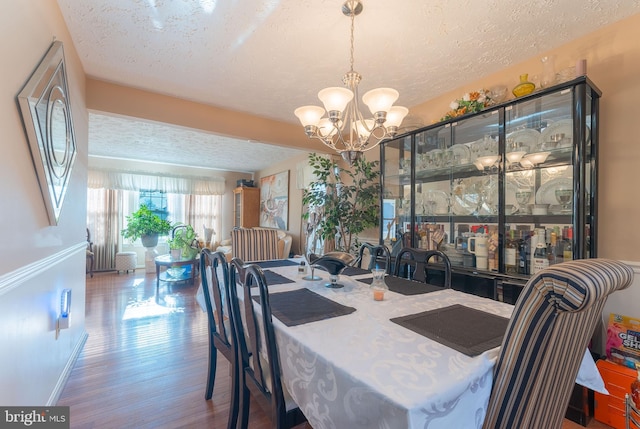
{"type": "Point", "coordinates": [145, 362]}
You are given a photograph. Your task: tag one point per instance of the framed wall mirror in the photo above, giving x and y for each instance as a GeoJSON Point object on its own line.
{"type": "Point", "coordinates": [46, 115]}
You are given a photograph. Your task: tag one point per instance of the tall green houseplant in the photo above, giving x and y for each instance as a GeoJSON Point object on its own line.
{"type": "Point", "coordinates": [343, 201]}
{"type": "Point", "coordinates": [143, 223]}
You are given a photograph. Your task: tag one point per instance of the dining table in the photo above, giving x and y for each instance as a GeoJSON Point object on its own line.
{"type": "Point", "coordinates": [374, 364]}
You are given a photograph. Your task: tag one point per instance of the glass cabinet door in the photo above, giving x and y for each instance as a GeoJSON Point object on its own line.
{"type": "Point", "coordinates": [397, 201]}
{"type": "Point", "coordinates": [539, 183]}
{"type": "Point", "coordinates": [475, 191]}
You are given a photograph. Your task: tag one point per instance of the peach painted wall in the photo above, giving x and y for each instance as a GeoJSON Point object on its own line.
{"type": "Point", "coordinates": [37, 261]}
{"type": "Point", "coordinates": [613, 64]}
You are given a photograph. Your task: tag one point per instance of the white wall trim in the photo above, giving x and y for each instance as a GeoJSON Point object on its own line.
{"type": "Point", "coordinates": [17, 277]}
{"type": "Point", "coordinates": [66, 372]}
{"type": "Point", "coordinates": [634, 265]}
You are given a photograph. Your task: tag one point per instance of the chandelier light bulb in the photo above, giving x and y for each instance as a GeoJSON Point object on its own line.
{"type": "Point", "coordinates": [326, 128]}
{"type": "Point", "coordinates": [380, 99]}
{"type": "Point", "coordinates": [363, 128]}
{"type": "Point", "coordinates": [309, 115]}
{"type": "Point", "coordinates": [395, 116]}
{"type": "Point", "coordinates": [335, 99]}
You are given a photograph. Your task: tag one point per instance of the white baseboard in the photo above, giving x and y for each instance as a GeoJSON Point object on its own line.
{"type": "Point", "coordinates": [66, 372]}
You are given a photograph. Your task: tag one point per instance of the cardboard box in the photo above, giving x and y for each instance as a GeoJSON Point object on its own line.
{"type": "Point", "coordinates": [623, 340]}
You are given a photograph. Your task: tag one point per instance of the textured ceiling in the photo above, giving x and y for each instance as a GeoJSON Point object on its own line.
{"type": "Point", "coordinates": [267, 57]}
{"type": "Point", "coordinates": [128, 138]}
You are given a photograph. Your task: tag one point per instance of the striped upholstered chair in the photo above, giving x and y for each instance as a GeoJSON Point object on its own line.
{"type": "Point", "coordinates": [255, 244]}
{"type": "Point", "coordinates": [542, 349]}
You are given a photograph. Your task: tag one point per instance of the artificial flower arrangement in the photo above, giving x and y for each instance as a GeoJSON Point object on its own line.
{"type": "Point", "coordinates": [471, 102]}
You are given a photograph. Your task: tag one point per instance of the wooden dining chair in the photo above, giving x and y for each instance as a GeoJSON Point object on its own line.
{"type": "Point", "coordinates": [259, 370]}
{"type": "Point", "coordinates": [222, 335]}
{"type": "Point", "coordinates": [543, 346]}
{"type": "Point", "coordinates": [378, 255]}
{"type": "Point", "coordinates": [409, 261]}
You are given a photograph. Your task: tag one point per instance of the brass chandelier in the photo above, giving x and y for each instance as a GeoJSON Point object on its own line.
{"type": "Point", "coordinates": [344, 129]}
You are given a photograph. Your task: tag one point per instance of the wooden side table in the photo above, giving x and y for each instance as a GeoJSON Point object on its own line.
{"type": "Point", "coordinates": [167, 276]}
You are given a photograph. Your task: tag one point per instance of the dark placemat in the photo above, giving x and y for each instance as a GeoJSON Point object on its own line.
{"type": "Point", "coordinates": [464, 329]}
{"type": "Point", "coordinates": [276, 263]}
{"type": "Point", "coordinates": [273, 278]}
{"type": "Point", "coordinates": [354, 271]}
{"type": "Point", "coordinates": [303, 306]}
{"type": "Point", "coordinates": [405, 286]}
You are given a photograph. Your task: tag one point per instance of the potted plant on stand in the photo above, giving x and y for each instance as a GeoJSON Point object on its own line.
{"type": "Point", "coordinates": [184, 240]}
{"type": "Point", "coordinates": [175, 249]}
{"type": "Point", "coordinates": [147, 226]}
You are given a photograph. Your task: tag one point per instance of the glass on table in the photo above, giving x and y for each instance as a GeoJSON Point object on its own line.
{"type": "Point", "coordinates": [378, 285]}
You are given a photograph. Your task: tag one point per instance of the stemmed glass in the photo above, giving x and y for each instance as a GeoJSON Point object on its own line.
{"type": "Point", "coordinates": [522, 197]}
{"type": "Point", "coordinates": [564, 195]}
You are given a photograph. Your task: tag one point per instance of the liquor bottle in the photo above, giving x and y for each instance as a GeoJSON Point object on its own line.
{"type": "Point", "coordinates": [511, 249]}
{"type": "Point", "coordinates": [533, 243]}
{"type": "Point", "coordinates": [540, 259]}
{"type": "Point", "coordinates": [551, 249]}
{"type": "Point", "coordinates": [559, 246]}
{"type": "Point", "coordinates": [522, 253]}
{"type": "Point", "coordinates": [567, 252]}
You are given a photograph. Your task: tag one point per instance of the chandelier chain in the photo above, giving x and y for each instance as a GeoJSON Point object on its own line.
{"type": "Point", "coordinates": [345, 129]}
{"type": "Point", "coordinates": [353, 17]}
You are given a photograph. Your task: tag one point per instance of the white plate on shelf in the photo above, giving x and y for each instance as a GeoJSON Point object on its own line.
{"type": "Point", "coordinates": [435, 202]}
{"type": "Point", "coordinates": [461, 154]}
{"type": "Point", "coordinates": [527, 136]}
{"type": "Point", "coordinates": [464, 201]}
{"type": "Point", "coordinates": [546, 194]}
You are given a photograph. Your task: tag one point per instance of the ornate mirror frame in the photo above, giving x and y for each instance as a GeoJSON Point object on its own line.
{"type": "Point", "coordinates": [46, 116]}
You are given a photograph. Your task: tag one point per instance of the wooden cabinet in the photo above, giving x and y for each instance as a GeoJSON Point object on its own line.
{"type": "Point", "coordinates": [246, 210]}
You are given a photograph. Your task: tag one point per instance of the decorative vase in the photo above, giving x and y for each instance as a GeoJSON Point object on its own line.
{"type": "Point", "coordinates": [548, 71]}
{"type": "Point", "coordinates": [176, 254]}
{"type": "Point", "coordinates": [524, 87]}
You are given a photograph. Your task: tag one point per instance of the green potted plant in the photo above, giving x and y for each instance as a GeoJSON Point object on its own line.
{"type": "Point", "coordinates": [342, 202]}
{"type": "Point", "coordinates": [146, 225]}
{"type": "Point", "coordinates": [175, 248]}
{"type": "Point", "coordinates": [184, 239]}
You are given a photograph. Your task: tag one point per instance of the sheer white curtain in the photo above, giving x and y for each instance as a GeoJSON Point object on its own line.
{"type": "Point", "coordinates": [114, 195]}
{"type": "Point", "coordinates": [203, 211]}
{"type": "Point", "coordinates": [103, 223]}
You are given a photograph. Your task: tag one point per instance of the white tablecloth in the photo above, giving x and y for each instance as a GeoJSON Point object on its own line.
{"type": "Point", "coordinates": [364, 371]}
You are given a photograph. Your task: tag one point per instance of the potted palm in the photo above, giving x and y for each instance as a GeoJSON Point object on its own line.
{"type": "Point", "coordinates": [146, 225]}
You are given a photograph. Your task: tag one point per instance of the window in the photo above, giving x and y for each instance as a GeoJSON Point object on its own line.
{"type": "Point", "coordinates": [156, 201]}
